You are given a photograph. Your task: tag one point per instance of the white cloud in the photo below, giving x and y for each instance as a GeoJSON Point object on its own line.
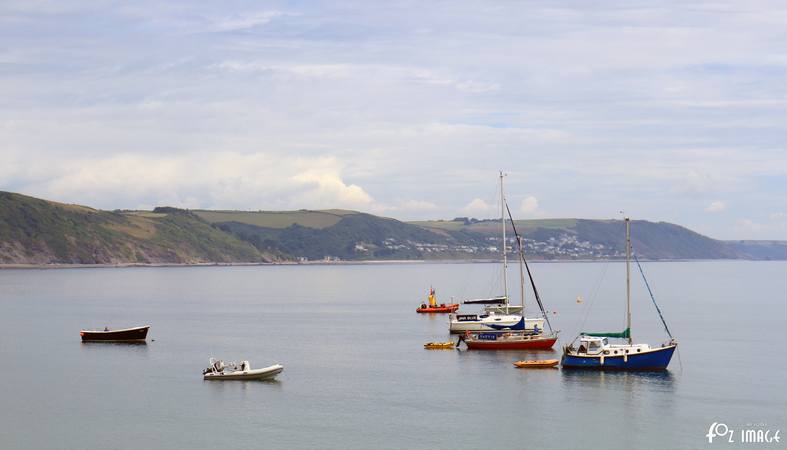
{"type": "Point", "coordinates": [207, 180]}
{"type": "Point", "coordinates": [477, 206]}
{"type": "Point", "coordinates": [324, 186]}
{"type": "Point", "coordinates": [716, 206]}
{"type": "Point", "coordinates": [624, 104]}
{"type": "Point", "coordinates": [305, 71]}
{"type": "Point", "coordinates": [529, 205]}
{"type": "Point", "coordinates": [242, 21]}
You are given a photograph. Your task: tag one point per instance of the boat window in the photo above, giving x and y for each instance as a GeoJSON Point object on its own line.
{"type": "Point", "coordinates": [639, 350]}
{"type": "Point", "coordinates": [592, 346]}
{"type": "Point", "coordinates": [604, 341]}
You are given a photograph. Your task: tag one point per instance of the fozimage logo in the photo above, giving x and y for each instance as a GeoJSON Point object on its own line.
{"type": "Point", "coordinates": [752, 433]}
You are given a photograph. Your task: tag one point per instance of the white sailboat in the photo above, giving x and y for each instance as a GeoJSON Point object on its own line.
{"type": "Point", "coordinates": [497, 314]}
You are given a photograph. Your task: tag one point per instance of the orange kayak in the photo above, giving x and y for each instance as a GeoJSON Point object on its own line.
{"type": "Point", "coordinates": [536, 363]}
{"type": "Point", "coordinates": [443, 308]}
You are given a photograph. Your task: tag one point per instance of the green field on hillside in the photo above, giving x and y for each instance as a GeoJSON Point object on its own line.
{"type": "Point", "coordinates": [277, 219]}
{"type": "Point", "coordinates": [493, 226]}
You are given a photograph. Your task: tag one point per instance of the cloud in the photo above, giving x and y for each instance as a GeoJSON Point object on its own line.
{"type": "Point", "coordinates": [323, 186]}
{"type": "Point", "coordinates": [305, 71]}
{"type": "Point", "coordinates": [529, 205]}
{"type": "Point", "coordinates": [242, 21]}
{"type": "Point", "coordinates": [388, 73]}
{"type": "Point", "coordinates": [208, 180]}
{"type": "Point", "coordinates": [621, 102]}
{"type": "Point", "coordinates": [436, 78]}
{"type": "Point", "coordinates": [716, 206]}
{"type": "Point", "coordinates": [477, 206]}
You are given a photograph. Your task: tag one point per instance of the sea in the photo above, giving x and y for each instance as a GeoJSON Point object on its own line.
{"type": "Point", "coordinates": [356, 374]}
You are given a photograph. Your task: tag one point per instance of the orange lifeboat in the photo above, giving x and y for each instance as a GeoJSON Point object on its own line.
{"type": "Point", "coordinates": [441, 308]}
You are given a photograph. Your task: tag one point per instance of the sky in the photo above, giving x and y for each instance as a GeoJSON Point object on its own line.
{"type": "Point", "coordinates": [670, 111]}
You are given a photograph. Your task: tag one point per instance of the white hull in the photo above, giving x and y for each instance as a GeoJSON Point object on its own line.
{"type": "Point", "coordinates": [265, 373]}
{"type": "Point", "coordinates": [506, 320]}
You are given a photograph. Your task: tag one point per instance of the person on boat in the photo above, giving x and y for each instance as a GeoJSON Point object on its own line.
{"type": "Point", "coordinates": [106, 328]}
{"type": "Point", "coordinates": [432, 298]}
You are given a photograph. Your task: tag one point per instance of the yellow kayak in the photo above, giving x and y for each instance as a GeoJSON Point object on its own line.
{"type": "Point", "coordinates": [536, 364]}
{"type": "Point", "coordinates": [439, 345]}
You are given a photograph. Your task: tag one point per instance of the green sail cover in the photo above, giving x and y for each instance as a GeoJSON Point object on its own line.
{"type": "Point", "coordinates": [625, 334]}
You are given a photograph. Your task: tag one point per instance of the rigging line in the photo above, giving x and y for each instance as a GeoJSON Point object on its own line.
{"type": "Point", "coordinates": [468, 276]}
{"type": "Point", "coordinates": [492, 289]}
{"type": "Point", "coordinates": [530, 275]}
{"type": "Point", "coordinates": [680, 363]}
{"type": "Point", "coordinates": [594, 295]}
{"type": "Point", "coordinates": [647, 285]}
{"type": "Point", "coordinates": [494, 282]}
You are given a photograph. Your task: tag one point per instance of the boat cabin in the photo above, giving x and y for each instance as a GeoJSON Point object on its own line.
{"type": "Point", "coordinates": [596, 346]}
{"type": "Point", "coordinates": [592, 345]}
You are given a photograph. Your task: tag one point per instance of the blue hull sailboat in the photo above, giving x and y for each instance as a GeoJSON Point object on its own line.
{"type": "Point", "coordinates": [595, 351]}
{"type": "Point", "coordinates": [621, 357]}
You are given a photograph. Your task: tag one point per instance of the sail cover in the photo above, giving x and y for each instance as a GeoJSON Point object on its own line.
{"type": "Point", "coordinates": [485, 301]}
{"type": "Point", "coordinates": [517, 326]}
{"type": "Point", "coordinates": [625, 334]}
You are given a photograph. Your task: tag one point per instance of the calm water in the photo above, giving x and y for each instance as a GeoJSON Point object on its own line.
{"type": "Point", "coordinates": [356, 375]}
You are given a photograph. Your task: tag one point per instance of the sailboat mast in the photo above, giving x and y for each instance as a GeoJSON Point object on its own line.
{"type": "Point", "coordinates": [628, 277]}
{"type": "Point", "coordinates": [521, 273]}
{"type": "Point", "coordinates": [503, 223]}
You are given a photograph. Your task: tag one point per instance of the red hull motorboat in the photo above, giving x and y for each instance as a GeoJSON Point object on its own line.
{"type": "Point", "coordinates": [509, 341]}
{"type": "Point", "coordinates": [135, 334]}
{"type": "Point", "coordinates": [442, 308]}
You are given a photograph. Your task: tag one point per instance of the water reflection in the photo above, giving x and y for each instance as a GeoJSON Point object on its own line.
{"type": "Point", "coordinates": [663, 381]}
{"type": "Point", "coordinates": [500, 356]}
{"type": "Point", "coordinates": [131, 347]}
{"type": "Point", "coordinates": [218, 386]}
{"type": "Point", "coordinates": [114, 344]}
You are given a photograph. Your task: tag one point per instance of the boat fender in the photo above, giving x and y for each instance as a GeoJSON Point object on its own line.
{"type": "Point", "coordinates": [626, 357]}
{"type": "Point", "coordinates": [602, 360]}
